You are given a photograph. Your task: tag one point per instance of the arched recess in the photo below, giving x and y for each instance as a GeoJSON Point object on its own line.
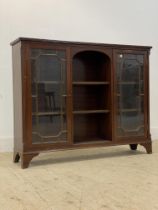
{"type": "Point", "coordinates": [91, 80]}
{"type": "Point", "coordinates": [91, 66]}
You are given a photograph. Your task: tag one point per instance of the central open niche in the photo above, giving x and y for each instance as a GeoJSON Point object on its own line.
{"type": "Point", "coordinates": [91, 97]}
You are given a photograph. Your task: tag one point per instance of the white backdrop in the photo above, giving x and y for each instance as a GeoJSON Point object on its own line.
{"type": "Point", "coordinates": [107, 21]}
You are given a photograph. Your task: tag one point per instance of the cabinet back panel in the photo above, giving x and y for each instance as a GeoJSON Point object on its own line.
{"type": "Point", "coordinates": [90, 97]}
{"type": "Point", "coordinates": [91, 66]}
{"type": "Point", "coordinates": [91, 127]}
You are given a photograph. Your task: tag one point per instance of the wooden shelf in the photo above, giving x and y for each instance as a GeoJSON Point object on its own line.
{"type": "Point", "coordinates": [128, 83]}
{"type": "Point", "coordinates": [141, 94]}
{"type": "Point", "coordinates": [47, 113]}
{"type": "Point", "coordinates": [92, 140]}
{"type": "Point", "coordinates": [49, 82]}
{"type": "Point", "coordinates": [128, 110]}
{"type": "Point", "coordinates": [91, 111]}
{"type": "Point", "coordinates": [90, 83]}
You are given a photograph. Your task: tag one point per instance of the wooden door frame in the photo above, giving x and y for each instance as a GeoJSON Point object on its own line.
{"type": "Point", "coordinates": [27, 101]}
{"type": "Point", "coordinates": [146, 135]}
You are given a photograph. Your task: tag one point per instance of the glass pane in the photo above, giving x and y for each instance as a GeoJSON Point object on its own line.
{"type": "Point", "coordinates": [48, 128]}
{"type": "Point", "coordinates": [48, 75]}
{"type": "Point", "coordinates": [130, 95]}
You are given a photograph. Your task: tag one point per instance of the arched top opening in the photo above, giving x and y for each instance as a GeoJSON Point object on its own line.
{"type": "Point", "coordinates": [91, 53]}
{"type": "Point", "coordinates": [91, 66]}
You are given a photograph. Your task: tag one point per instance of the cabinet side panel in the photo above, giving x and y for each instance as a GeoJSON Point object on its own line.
{"type": "Point", "coordinates": [17, 97]}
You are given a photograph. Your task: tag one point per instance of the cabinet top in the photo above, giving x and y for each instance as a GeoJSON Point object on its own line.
{"type": "Point", "coordinates": [78, 43]}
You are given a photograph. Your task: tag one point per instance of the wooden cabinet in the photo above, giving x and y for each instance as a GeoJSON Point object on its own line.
{"type": "Point", "coordinates": [71, 95]}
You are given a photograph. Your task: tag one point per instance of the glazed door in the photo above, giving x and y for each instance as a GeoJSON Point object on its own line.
{"type": "Point", "coordinates": [48, 78]}
{"type": "Point", "coordinates": [130, 95]}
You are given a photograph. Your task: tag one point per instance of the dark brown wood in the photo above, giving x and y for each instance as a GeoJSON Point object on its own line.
{"type": "Point", "coordinates": [16, 157]}
{"type": "Point", "coordinates": [147, 146]}
{"type": "Point", "coordinates": [26, 158]}
{"type": "Point", "coordinates": [90, 98]}
{"type": "Point", "coordinates": [133, 146]}
{"type": "Point", "coordinates": [69, 97]}
{"type": "Point", "coordinates": [17, 92]}
{"type": "Point", "coordinates": [78, 43]}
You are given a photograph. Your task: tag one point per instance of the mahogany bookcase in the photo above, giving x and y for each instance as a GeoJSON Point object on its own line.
{"type": "Point", "coordinates": [70, 95]}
